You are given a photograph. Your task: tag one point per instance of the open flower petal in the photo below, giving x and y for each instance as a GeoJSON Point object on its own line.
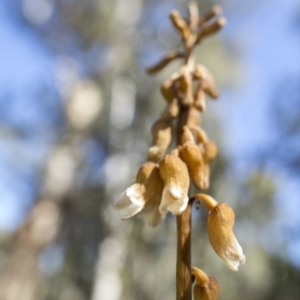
{"type": "Point", "coordinates": [130, 202]}
{"type": "Point", "coordinates": [173, 200]}
{"type": "Point", "coordinates": [145, 192]}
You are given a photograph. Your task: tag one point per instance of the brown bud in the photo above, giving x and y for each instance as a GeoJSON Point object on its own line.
{"type": "Point", "coordinates": [168, 89]}
{"type": "Point", "coordinates": [215, 10]}
{"type": "Point", "coordinates": [175, 175]}
{"type": "Point", "coordinates": [206, 287]}
{"type": "Point", "coordinates": [210, 28]}
{"type": "Point", "coordinates": [191, 155]}
{"type": "Point", "coordinates": [210, 151]}
{"type": "Point", "coordinates": [201, 136]}
{"type": "Point", "coordinates": [207, 81]}
{"type": "Point", "coordinates": [200, 102]}
{"type": "Point", "coordinates": [194, 15]}
{"type": "Point", "coordinates": [172, 109]}
{"type": "Point", "coordinates": [180, 24]}
{"type": "Point", "coordinates": [186, 85]}
{"type": "Point", "coordinates": [161, 139]}
{"type": "Point", "coordinates": [187, 135]}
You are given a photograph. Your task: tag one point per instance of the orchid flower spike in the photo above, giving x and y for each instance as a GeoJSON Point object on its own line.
{"type": "Point", "coordinates": [176, 179]}
{"type": "Point", "coordinates": [145, 192]}
{"type": "Point", "coordinates": [206, 287]}
{"type": "Point", "coordinates": [220, 223]}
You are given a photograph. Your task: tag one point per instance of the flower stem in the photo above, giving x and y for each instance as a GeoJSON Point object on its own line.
{"type": "Point", "coordinates": [183, 266]}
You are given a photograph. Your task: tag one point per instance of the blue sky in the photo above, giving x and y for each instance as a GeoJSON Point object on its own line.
{"type": "Point", "coordinates": [24, 66]}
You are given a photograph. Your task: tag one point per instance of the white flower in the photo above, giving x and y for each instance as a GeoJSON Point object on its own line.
{"type": "Point", "coordinates": [220, 223]}
{"type": "Point", "coordinates": [219, 227]}
{"type": "Point", "coordinates": [145, 193]}
{"type": "Point", "coordinates": [175, 175]}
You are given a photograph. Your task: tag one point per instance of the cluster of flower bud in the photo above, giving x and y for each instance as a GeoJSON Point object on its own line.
{"type": "Point", "coordinates": [162, 183]}
{"type": "Point", "coordinates": [189, 87]}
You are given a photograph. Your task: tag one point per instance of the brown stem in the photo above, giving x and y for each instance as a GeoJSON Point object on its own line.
{"type": "Point", "coordinates": [183, 266]}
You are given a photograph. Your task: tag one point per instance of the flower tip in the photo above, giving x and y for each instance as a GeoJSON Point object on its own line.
{"type": "Point", "coordinates": [222, 22]}
{"type": "Point", "coordinates": [200, 277]}
{"type": "Point", "coordinates": [217, 9]}
{"type": "Point", "coordinates": [129, 203]}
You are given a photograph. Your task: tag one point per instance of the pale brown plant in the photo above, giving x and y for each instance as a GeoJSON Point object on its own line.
{"type": "Point", "coordinates": [185, 93]}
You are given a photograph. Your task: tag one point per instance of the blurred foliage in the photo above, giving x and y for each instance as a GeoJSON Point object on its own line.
{"type": "Point", "coordinates": [100, 49]}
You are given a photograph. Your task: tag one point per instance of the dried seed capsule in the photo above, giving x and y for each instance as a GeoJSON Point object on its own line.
{"type": "Point", "coordinates": [161, 139]}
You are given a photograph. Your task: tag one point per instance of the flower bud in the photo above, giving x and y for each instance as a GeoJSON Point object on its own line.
{"type": "Point", "coordinates": [199, 96]}
{"type": "Point", "coordinates": [220, 223]}
{"type": "Point", "coordinates": [191, 155]}
{"type": "Point", "coordinates": [172, 109]}
{"type": "Point", "coordinates": [206, 287]}
{"type": "Point", "coordinates": [168, 88]}
{"type": "Point", "coordinates": [161, 139]}
{"type": "Point", "coordinates": [211, 27]}
{"type": "Point", "coordinates": [187, 135]}
{"type": "Point", "coordinates": [180, 24]}
{"type": "Point", "coordinates": [175, 175]}
{"type": "Point", "coordinates": [186, 85]}
{"type": "Point", "coordinates": [193, 118]}
{"type": "Point", "coordinates": [145, 192]}
{"type": "Point", "coordinates": [207, 81]}
{"type": "Point", "coordinates": [210, 151]}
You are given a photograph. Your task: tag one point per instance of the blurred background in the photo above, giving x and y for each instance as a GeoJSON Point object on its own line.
{"type": "Point", "coordinates": [76, 108]}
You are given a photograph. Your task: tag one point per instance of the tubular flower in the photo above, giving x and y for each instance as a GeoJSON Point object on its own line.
{"type": "Point", "coordinates": [145, 193]}
{"type": "Point", "coordinates": [206, 287]}
{"type": "Point", "coordinates": [175, 175]}
{"type": "Point", "coordinates": [220, 223]}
